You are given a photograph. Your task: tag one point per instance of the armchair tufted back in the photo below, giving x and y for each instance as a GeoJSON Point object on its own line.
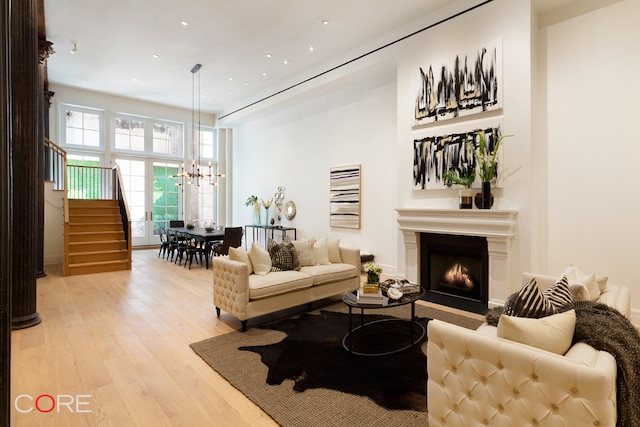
{"type": "Point", "coordinates": [480, 380]}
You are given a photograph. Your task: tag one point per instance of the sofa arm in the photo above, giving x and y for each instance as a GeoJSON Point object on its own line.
{"type": "Point", "coordinates": [350, 256]}
{"type": "Point", "coordinates": [230, 286]}
{"type": "Point", "coordinates": [475, 379]}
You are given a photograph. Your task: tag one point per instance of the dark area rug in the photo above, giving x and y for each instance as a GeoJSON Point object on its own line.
{"type": "Point", "coordinates": [298, 372]}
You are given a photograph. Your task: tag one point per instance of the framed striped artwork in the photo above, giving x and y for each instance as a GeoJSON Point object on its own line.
{"type": "Point", "coordinates": [344, 189]}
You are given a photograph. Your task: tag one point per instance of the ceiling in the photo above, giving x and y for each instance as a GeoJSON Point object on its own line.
{"type": "Point", "coordinates": [248, 49]}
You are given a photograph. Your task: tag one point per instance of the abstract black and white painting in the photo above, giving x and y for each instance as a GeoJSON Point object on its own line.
{"type": "Point", "coordinates": [467, 84]}
{"type": "Point", "coordinates": [436, 153]}
{"type": "Point", "coordinates": [344, 186]}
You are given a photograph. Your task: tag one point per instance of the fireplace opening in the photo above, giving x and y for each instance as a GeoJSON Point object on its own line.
{"type": "Point", "coordinates": [454, 270]}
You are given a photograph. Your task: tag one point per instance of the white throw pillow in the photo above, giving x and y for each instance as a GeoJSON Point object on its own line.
{"type": "Point", "coordinates": [334, 251]}
{"type": "Point", "coordinates": [602, 282]}
{"type": "Point", "coordinates": [552, 333]}
{"type": "Point", "coordinates": [304, 249]}
{"type": "Point", "coordinates": [260, 259]}
{"type": "Point", "coordinates": [577, 278]}
{"type": "Point", "coordinates": [321, 252]}
{"type": "Point", "coordinates": [240, 255]}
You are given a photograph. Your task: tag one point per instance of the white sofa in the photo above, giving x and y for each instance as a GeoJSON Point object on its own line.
{"type": "Point", "coordinates": [476, 378]}
{"type": "Point", "coordinates": [246, 295]}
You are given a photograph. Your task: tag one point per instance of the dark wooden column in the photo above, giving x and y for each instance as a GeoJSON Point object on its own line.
{"type": "Point", "coordinates": [5, 219]}
{"type": "Point", "coordinates": [44, 50]}
{"type": "Point", "coordinates": [26, 143]}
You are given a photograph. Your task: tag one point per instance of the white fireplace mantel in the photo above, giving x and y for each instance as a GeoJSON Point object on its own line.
{"type": "Point", "coordinates": [498, 226]}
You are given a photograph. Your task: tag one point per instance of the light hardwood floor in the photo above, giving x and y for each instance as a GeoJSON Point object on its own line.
{"type": "Point", "coordinates": [123, 339]}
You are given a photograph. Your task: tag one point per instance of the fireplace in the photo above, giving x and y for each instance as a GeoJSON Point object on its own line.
{"type": "Point", "coordinates": [496, 227]}
{"type": "Point", "coordinates": [454, 271]}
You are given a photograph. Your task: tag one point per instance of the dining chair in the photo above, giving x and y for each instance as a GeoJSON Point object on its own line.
{"type": "Point", "coordinates": [232, 239]}
{"type": "Point", "coordinates": [176, 223]}
{"type": "Point", "coordinates": [174, 244]}
{"type": "Point", "coordinates": [164, 242]}
{"type": "Point", "coordinates": [194, 248]}
{"type": "Point", "coordinates": [181, 247]}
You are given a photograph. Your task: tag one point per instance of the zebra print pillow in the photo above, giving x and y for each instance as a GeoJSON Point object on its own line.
{"type": "Point", "coordinates": [531, 302]}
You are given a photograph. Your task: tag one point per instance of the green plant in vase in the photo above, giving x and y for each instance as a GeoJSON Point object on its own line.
{"type": "Point", "coordinates": [465, 176]}
{"type": "Point", "coordinates": [253, 201]}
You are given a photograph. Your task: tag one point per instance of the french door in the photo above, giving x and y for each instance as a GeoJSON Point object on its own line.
{"type": "Point", "coordinates": [152, 195]}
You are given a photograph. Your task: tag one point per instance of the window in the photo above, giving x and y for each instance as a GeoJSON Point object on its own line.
{"type": "Point", "coordinates": [129, 134]}
{"type": "Point", "coordinates": [208, 144]}
{"type": "Point", "coordinates": [167, 138]}
{"type": "Point", "coordinates": [203, 197]}
{"type": "Point", "coordinates": [166, 194]}
{"type": "Point", "coordinates": [81, 126]}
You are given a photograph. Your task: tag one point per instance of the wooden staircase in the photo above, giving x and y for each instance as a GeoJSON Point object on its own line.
{"type": "Point", "coordinates": [94, 238]}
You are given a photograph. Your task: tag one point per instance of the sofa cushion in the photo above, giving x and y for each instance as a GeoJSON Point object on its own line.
{"type": "Point", "coordinates": [304, 249]}
{"type": "Point", "coordinates": [552, 333]}
{"type": "Point", "coordinates": [260, 259]}
{"type": "Point", "coordinates": [330, 272]}
{"type": "Point", "coordinates": [277, 283]}
{"type": "Point", "coordinates": [239, 254]}
{"type": "Point", "coordinates": [283, 256]}
{"type": "Point", "coordinates": [580, 280]}
{"type": "Point", "coordinates": [321, 252]}
{"type": "Point", "coordinates": [531, 302]}
{"type": "Point", "coordinates": [334, 251]}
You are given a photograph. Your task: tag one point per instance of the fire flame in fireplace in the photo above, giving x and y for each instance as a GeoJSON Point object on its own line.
{"type": "Point", "coordinates": [458, 277]}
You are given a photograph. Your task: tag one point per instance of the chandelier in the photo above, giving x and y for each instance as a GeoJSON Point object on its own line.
{"type": "Point", "coordinates": [196, 174]}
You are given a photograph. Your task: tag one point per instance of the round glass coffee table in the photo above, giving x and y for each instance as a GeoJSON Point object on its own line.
{"type": "Point", "coordinates": [416, 331]}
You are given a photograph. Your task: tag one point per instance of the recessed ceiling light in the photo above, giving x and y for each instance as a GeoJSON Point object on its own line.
{"type": "Point", "coordinates": [264, 73]}
{"type": "Point", "coordinates": [325, 22]}
{"type": "Point", "coordinates": [134, 79]}
{"type": "Point", "coordinates": [230, 78]}
{"type": "Point", "coordinates": [185, 23]}
{"type": "Point", "coordinates": [155, 55]}
{"type": "Point", "coordinates": [285, 62]}
{"type": "Point", "coordinates": [246, 83]}
{"type": "Point", "coordinates": [311, 48]}
{"type": "Point", "coordinates": [269, 55]}
{"type": "Point", "coordinates": [74, 48]}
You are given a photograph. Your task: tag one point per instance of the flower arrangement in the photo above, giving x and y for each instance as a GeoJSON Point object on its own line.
{"type": "Point", "coordinates": [373, 271]}
{"type": "Point", "coordinates": [266, 204]}
{"type": "Point", "coordinates": [190, 226]}
{"type": "Point", "coordinates": [487, 160]}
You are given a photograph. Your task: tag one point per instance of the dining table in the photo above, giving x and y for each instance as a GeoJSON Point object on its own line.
{"type": "Point", "coordinates": [202, 236]}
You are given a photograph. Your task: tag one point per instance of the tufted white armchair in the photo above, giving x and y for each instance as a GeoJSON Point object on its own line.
{"type": "Point", "coordinates": [476, 378]}
{"type": "Point", "coordinates": [481, 380]}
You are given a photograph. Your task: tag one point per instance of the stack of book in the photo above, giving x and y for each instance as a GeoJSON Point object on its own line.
{"type": "Point", "coordinates": [371, 298]}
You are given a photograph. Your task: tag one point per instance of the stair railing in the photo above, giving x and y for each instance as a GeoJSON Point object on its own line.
{"type": "Point", "coordinates": [119, 195]}
{"type": "Point", "coordinates": [55, 160]}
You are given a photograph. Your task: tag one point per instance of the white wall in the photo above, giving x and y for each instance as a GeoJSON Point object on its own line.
{"type": "Point", "coordinates": [296, 147]}
{"type": "Point", "coordinates": [592, 142]}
